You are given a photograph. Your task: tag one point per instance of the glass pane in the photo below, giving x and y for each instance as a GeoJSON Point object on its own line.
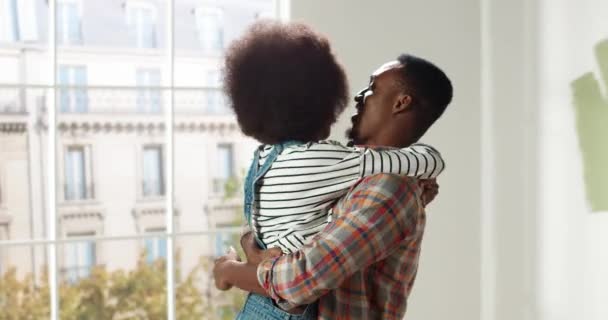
{"type": "Point", "coordinates": [24, 286]}
{"type": "Point", "coordinates": [196, 295]}
{"type": "Point", "coordinates": [23, 42]}
{"type": "Point", "coordinates": [211, 159]}
{"type": "Point", "coordinates": [111, 40]}
{"type": "Point", "coordinates": [203, 30]}
{"type": "Point", "coordinates": [110, 158]}
{"type": "Point", "coordinates": [211, 154]}
{"type": "Point", "coordinates": [110, 280]}
{"type": "Point", "coordinates": [23, 158]}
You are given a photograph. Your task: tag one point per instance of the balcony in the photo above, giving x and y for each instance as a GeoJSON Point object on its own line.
{"type": "Point", "coordinates": [142, 109]}
{"type": "Point", "coordinates": [13, 113]}
{"type": "Point", "coordinates": [140, 100]}
{"type": "Point", "coordinates": [117, 109]}
{"type": "Point", "coordinates": [150, 214]}
{"type": "Point", "coordinates": [78, 192]}
{"type": "Point", "coordinates": [74, 273]}
{"type": "Point", "coordinates": [5, 217]}
{"type": "Point", "coordinates": [153, 189]}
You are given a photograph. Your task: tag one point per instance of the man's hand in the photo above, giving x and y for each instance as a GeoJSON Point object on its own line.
{"type": "Point", "coordinates": [254, 254]}
{"type": "Point", "coordinates": [430, 189]}
{"type": "Point", "coordinates": [218, 269]}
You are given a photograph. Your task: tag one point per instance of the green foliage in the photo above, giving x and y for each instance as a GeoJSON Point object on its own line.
{"type": "Point", "coordinates": [136, 294]}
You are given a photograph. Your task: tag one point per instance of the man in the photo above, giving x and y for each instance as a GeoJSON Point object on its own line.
{"type": "Point", "coordinates": [363, 265]}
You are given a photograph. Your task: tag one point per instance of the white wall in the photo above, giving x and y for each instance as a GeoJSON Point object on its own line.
{"type": "Point", "coordinates": [573, 270]}
{"type": "Point", "coordinates": [366, 34]}
{"type": "Point", "coordinates": [511, 235]}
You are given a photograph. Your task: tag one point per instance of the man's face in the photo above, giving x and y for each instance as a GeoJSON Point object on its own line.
{"type": "Point", "coordinates": [374, 103]}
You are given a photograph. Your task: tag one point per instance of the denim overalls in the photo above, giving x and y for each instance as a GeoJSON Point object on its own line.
{"type": "Point", "coordinates": [258, 307]}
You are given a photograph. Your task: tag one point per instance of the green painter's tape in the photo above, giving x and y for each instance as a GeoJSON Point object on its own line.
{"type": "Point", "coordinates": [591, 107]}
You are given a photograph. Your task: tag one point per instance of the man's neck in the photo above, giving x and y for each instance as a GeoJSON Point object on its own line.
{"type": "Point", "coordinates": [391, 139]}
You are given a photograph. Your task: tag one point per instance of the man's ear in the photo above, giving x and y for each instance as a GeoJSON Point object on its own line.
{"type": "Point", "coordinates": [402, 104]}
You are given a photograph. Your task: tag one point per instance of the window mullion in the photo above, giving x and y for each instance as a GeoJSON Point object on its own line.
{"type": "Point", "coordinates": [51, 166]}
{"type": "Point", "coordinates": [170, 65]}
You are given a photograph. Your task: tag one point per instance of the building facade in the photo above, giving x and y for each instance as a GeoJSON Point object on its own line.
{"type": "Point", "coordinates": [112, 88]}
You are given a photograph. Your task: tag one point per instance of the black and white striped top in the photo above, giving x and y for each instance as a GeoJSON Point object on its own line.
{"type": "Point", "coordinates": [293, 199]}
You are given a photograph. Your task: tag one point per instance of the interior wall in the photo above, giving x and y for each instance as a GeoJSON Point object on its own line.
{"type": "Point", "coordinates": [366, 34]}
{"type": "Point", "coordinates": [573, 223]}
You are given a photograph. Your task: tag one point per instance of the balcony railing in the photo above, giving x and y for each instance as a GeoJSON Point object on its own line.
{"type": "Point", "coordinates": [76, 192]}
{"type": "Point", "coordinates": [19, 99]}
{"type": "Point", "coordinates": [140, 100]}
{"type": "Point", "coordinates": [11, 101]}
{"type": "Point", "coordinates": [74, 273]}
{"type": "Point", "coordinates": [153, 188]}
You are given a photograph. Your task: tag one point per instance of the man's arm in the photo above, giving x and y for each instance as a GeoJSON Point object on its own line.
{"type": "Point", "coordinates": [378, 215]}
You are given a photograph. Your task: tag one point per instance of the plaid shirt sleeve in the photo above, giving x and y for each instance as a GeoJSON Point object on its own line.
{"type": "Point", "coordinates": [377, 215]}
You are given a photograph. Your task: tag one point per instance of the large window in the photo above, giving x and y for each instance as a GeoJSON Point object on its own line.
{"type": "Point", "coordinates": [110, 142]}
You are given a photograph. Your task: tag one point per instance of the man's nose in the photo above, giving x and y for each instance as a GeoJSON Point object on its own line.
{"type": "Point", "coordinates": [359, 96]}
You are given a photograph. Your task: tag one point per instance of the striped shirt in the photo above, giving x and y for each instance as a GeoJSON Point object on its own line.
{"type": "Point", "coordinates": [364, 263]}
{"type": "Point", "coordinates": [293, 199]}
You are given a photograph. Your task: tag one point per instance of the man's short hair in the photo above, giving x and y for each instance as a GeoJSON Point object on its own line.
{"type": "Point", "coordinates": [429, 86]}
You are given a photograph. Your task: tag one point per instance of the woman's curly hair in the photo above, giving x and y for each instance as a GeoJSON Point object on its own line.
{"type": "Point", "coordinates": [284, 83]}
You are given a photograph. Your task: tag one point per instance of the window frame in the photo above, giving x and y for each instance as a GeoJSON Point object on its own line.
{"type": "Point", "coordinates": [56, 235]}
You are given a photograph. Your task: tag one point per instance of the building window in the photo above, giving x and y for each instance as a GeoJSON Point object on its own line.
{"type": "Point", "coordinates": [9, 21]}
{"type": "Point", "coordinates": [225, 167]}
{"type": "Point", "coordinates": [79, 258]}
{"type": "Point", "coordinates": [222, 242]}
{"type": "Point", "coordinates": [153, 180]}
{"type": "Point", "coordinates": [141, 19]}
{"type": "Point", "coordinates": [1, 190]}
{"type": "Point", "coordinates": [73, 97]}
{"type": "Point", "coordinates": [156, 247]}
{"type": "Point", "coordinates": [210, 27]}
{"type": "Point", "coordinates": [77, 179]}
{"type": "Point", "coordinates": [148, 99]}
{"type": "Point", "coordinates": [69, 22]}
{"type": "Point", "coordinates": [213, 95]}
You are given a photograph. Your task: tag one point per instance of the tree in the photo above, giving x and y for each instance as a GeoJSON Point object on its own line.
{"type": "Point", "coordinates": [136, 294]}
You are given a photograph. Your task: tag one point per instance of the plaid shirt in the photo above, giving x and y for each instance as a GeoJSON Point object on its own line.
{"type": "Point", "coordinates": [363, 265]}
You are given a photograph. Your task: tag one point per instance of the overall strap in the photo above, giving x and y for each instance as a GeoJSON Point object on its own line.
{"type": "Point", "coordinates": [255, 173]}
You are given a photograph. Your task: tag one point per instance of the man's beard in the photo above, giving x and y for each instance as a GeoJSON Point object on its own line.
{"type": "Point", "coordinates": [351, 135]}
